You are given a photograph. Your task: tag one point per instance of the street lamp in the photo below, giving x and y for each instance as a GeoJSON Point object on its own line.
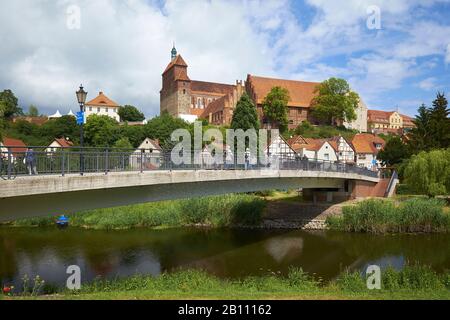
{"type": "Point", "coordinates": [81, 97]}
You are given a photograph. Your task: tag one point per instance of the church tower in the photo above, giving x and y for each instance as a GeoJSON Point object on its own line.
{"type": "Point", "coordinates": [175, 95]}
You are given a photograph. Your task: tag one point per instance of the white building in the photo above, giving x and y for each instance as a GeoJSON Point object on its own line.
{"type": "Point", "coordinates": [360, 123]}
{"type": "Point", "coordinates": [313, 149]}
{"type": "Point", "coordinates": [148, 153]}
{"type": "Point", "coordinates": [344, 149]}
{"type": "Point", "coordinates": [59, 143]}
{"type": "Point", "coordinates": [281, 148]}
{"type": "Point", "coordinates": [366, 147]}
{"type": "Point", "coordinates": [103, 106]}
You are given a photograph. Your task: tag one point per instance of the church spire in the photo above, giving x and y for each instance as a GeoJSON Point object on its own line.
{"type": "Point", "coordinates": [173, 52]}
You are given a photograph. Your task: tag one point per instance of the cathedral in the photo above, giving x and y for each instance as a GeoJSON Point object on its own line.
{"type": "Point", "coordinates": [191, 99]}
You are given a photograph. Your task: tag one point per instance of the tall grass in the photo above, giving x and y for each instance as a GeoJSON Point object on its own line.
{"type": "Point", "coordinates": [194, 281]}
{"type": "Point", "coordinates": [217, 211]}
{"type": "Point", "coordinates": [383, 216]}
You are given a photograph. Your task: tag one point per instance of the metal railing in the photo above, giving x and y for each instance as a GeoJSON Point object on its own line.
{"type": "Point", "coordinates": [391, 185]}
{"type": "Point", "coordinates": [62, 161]}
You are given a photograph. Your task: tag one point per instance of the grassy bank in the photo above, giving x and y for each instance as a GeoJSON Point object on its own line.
{"type": "Point", "coordinates": [385, 216]}
{"type": "Point", "coordinates": [217, 211]}
{"type": "Point", "coordinates": [410, 283]}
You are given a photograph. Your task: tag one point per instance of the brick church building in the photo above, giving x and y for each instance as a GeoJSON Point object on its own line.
{"type": "Point", "coordinates": [190, 99]}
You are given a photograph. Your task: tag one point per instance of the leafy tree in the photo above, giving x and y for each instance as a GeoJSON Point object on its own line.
{"type": "Point", "coordinates": [33, 111]}
{"type": "Point", "coordinates": [429, 172]}
{"type": "Point", "coordinates": [64, 127]}
{"type": "Point", "coordinates": [161, 128]}
{"type": "Point", "coordinates": [101, 130]}
{"type": "Point", "coordinates": [123, 143]}
{"type": "Point", "coordinates": [275, 107]}
{"type": "Point", "coordinates": [8, 105]}
{"type": "Point", "coordinates": [25, 128]}
{"type": "Point", "coordinates": [335, 102]}
{"type": "Point", "coordinates": [135, 134]}
{"type": "Point", "coordinates": [130, 113]}
{"type": "Point", "coordinates": [245, 116]}
{"type": "Point", "coordinates": [394, 152]}
{"type": "Point", "coordinates": [440, 122]}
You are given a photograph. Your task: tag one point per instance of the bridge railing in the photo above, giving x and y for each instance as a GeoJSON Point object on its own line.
{"type": "Point", "coordinates": [15, 161]}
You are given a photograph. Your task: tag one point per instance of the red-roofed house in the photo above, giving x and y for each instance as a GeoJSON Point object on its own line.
{"type": "Point", "coordinates": [388, 122]}
{"type": "Point", "coordinates": [102, 105]}
{"type": "Point", "coordinates": [301, 94]}
{"type": "Point", "coordinates": [16, 146]}
{"type": "Point", "coordinates": [59, 143]}
{"type": "Point", "coordinates": [366, 147]}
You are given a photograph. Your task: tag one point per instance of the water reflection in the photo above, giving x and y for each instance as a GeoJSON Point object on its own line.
{"type": "Point", "coordinates": [225, 253]}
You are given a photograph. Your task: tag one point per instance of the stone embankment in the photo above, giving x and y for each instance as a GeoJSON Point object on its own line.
{"type": "Point", "coordinates": [307, 216]}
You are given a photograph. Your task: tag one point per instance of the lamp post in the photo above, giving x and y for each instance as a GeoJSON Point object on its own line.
{"type": "Point", "coordinates": [81, 97]}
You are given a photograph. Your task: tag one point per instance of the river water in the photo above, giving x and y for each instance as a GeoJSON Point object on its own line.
{"type": "Point", "coordinates": [227, 253]}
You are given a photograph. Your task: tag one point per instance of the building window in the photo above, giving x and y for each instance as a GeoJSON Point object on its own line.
{"type": "Point", "coordinates": [90, 108]}
{"type": "Point", "coordinates": [184, 91]}
{"type": "Point", "coordinates": [98, 109]}
{"type": "Point", "coordinates": [106, 110]}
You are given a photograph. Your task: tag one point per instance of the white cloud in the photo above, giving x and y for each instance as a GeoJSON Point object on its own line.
{"type": "Point", "coordinates": [428, 84]}
{"type": "Point", "coordinates": [447, 55]}
{"type": "Point", "coordinates": [123, 46]}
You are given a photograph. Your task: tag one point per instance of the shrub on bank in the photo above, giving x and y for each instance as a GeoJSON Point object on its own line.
{"type": "Point", "coordinates": [219, 211]}
{"type": "Point", "coordinates": [382, 216]}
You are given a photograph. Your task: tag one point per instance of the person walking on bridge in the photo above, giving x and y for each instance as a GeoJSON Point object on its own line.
{"type": "Point", "coordinates": [30, 159]}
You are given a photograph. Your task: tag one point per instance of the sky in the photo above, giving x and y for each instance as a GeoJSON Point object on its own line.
{"type": "Point", "coordinates": [395, 54]}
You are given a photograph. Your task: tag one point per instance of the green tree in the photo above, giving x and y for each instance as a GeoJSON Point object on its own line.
{"type": "Point", "coordinates": [335, 102]}
{"type": "Point", "coordinates": [130, 113]}
{"type": "Point", "coordinates": [135, 134]}
{"type": "Point", "coordinates": [245, 116]}
{"type": "Point", "coordinates": [25, 128]}
{"type": "Point", "coordinates": [439, 124]}
{"type": "Point", "coordinates": [161, 128]}
{"type": "Point", "coordinates": [9, 105]}
{"type": "Point", "coordinates": [394, 152]}
{"type": "Point", "coordinates": [275, 107]}
{"type": "Point", "coordinates": [420, 135]}
{"type": "Point", "coordinates": [429, 172]}
{"type": "Point", "coordinates": [64, 127]}
{"type": "Point", "coordinates": [101, 131]}
{"type": "Point", "coordinates": [123, 143]}
{"type": "Point", "coordinates": [33, 111]}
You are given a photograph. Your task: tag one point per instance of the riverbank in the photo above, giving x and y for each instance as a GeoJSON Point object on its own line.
{"type": "Point", "coordinates": [268, 210]}
{"type": "Point", "coordinates": [387, 216]}
{"type": "Point", "coordinates": [216, 211]}
{"type": "Point", "coordinates": [409, 283]}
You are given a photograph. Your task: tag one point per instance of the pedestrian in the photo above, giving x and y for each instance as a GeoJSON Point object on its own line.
{"type": "Point", "coordinates": [30, 159]}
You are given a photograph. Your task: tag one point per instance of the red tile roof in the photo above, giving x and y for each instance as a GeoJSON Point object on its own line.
{"type": "Point", "coordinates": [298, 142]}
{"type": "Point", "coordinates": [19, 145]}
{"type": "Point", "coordinates": [102, 101]}
{"type": "Point", "coordinates": [178, 61]}
{"type": "Point", "coordinates": [211, 87]}
{"type": "Point", "coordinates": [378, 116]}
{"type": "Point", "coordinates": [214, 106]}
{"type": "Point", "coordinates": [301, 93]}
{"type": "Point", "coordinates": [64, 142]}
{"type": "Point", "coordinates": [365, 143]}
